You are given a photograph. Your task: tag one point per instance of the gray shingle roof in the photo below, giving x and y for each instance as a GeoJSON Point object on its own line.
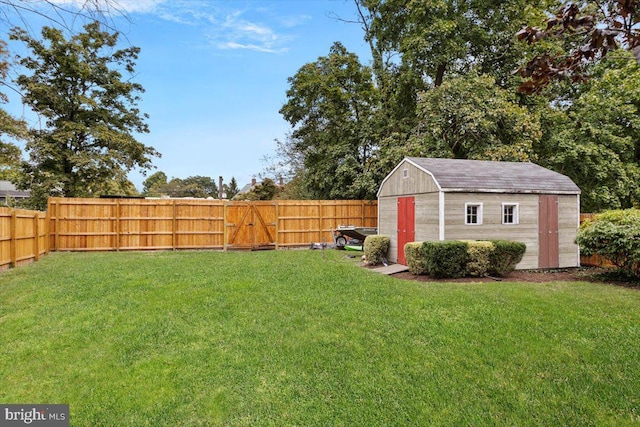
{"type": "Point", "coordinates": [490, 176]}
{"type": "Point", "coordinates": [8, 189]}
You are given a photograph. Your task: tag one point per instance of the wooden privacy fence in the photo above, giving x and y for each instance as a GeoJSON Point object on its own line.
{"type": "Point", "coordinates": [23, 236]}
{"type": "Point", "coordinates": [140, 224]}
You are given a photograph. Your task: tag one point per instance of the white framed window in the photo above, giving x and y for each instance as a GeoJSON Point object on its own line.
{"type": "Point", "coordinates": [405, 173]}
{"type": "Point", "coordinates": [473, 213]}
{"type": "Point", "coordinates": [510, 214]}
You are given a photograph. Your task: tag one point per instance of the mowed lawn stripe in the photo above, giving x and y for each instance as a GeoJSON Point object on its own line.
{"type": "Point", "coordinates": [306, 338]}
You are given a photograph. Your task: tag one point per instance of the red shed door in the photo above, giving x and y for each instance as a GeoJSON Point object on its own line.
{"type": "Point", "coordinates": [548, 252]}
{"type": "Point", "coordinates": [406, 225]}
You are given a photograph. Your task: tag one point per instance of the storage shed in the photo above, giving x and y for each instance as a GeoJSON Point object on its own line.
{"type": "Point", "coordinates": [452, 199]}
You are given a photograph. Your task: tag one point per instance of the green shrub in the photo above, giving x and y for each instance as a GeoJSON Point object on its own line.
{"type": "Point", "coordinates": [414, 255]}
{"type": "Point", "coordinates": [446, 259]}
{"type": "Point", "coordinates": [376, 248]}
{"type": "Point", "coordinates": [479, 257]}
{"type": "Point", "coordinates": [505, 256]}
{"type": "Point", "coordinates": [614, 235]}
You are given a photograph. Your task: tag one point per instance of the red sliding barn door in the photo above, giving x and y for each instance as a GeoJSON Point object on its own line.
{"type": "Point", "coordinates": [406, 225]}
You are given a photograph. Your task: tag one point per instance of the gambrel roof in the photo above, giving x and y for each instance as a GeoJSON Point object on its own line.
{"type": "Point", "coordinates": [481, 176]}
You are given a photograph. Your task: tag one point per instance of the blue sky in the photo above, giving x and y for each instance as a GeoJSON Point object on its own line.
{"type": "Point", "coordinates": [215, 75]}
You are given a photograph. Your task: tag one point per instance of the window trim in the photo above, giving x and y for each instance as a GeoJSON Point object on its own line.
{"type": "Point", "coordinates": [479, 213]}
{"type": "Point", "coordinates": [516, 213]}
{"type": "Point", "coordinates": [405, 173]}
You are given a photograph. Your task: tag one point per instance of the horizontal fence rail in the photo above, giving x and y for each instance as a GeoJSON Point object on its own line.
{"type": "Point", "coordinates": [149, 224]}
{"type": "Point", "coordinates": [24, 236]}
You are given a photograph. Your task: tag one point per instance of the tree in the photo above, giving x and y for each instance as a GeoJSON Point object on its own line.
{"type": "Point", "coordinates": [595, 138]}
{"type": "Point", "coordinates": [199, 186]}
{"type": "Point", "coordinates": [10, 154]}
{"type": "Point", "coordinates": [330, 105]}
{"type": "Point", "coordinates": [470, 117]}
{"type": "Point", "coordinates": [432, 38]}
{"type": "Point", "coordinates": [194, 186]}
{"type": "Point", "coordinates": [266, 190]}
{"type": "Point", "coordinates": [90, 112]}
{"type": "Point", "coordinates": [590, 32]}
{"type": "Point", "coordinates": [231, 189]}
{"type": "Point", "coordinates": [154, 184]}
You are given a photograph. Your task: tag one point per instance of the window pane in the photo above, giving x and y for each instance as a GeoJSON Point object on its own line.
{"type": "Point", "coordinates": [509, 214]}
{"type": "Point", "coordinates": [472, 214]}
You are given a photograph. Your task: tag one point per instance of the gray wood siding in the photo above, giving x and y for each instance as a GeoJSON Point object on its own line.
{"type": "Point", "coordinates": [417, 182]}
{"type": "Point", "coordinates": [426, 227]}
{"type": "Point", "coordinates": [427, 219]}
{"type": "Point", "coordinates": [526, 231]}
{"type": "Point", "coordinates": [568, 223]}
{"type": "Point", "coordinates": [388, 223]}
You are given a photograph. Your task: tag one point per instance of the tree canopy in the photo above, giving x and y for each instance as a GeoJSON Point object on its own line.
{"type": "Point", "coordinates": [90, 110]}
{"type": "Point", "coordinates": [330, 105]}
{"type": "Point", "coordinates": [444, 84]}
{"type": "Point", "coordinates": [197, 186]}
{"type": "Point", "coordinates": [589, 30]}
{"type": "Point", "coordinates": [10, 127]}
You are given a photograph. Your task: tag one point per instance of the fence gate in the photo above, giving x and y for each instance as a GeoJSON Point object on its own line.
{"type": "Point", "coordinates": [251, 225]}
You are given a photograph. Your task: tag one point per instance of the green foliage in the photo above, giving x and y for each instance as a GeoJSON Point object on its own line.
{"type": "Point", "coordinates": [266, 190]}
{"type": "Point", "coordinates": [614, 235]}
{"type": "Point", "coordinates": [433, 37]}
{"type": "Point", "coordinates": [194, 186]}
{"type": "Point", "coordinates": [231, 189]}
{"type": "Point", "coordinates": [376, 248]}
{"type": "Point", "coordinates": [89, 109]}
{"type": "Point", "coordinates": [505, 256]}
{"type": "Point", "coordinates": [446, 259]}
{"type": "Point", "coordinates": [444, 87]}
{"type": "Point", "coordinates": [330, 104]}
{"type": "Point", "coordinates": [470, 117]}
{"type": "Point", "coordinates": [414, 255]}
{"type": "Point", "coordinates": [479, 253]}
{"type": "Point", "coordinates": [596, 139]}
{"type": "Point", "coordinates": [10, 154]}
{"type": "Point", "coordinates": [453, 258]}
{"type": "Point", "coordinates": [154, 184]}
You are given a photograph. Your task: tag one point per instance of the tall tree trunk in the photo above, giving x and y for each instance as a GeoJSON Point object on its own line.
{"type": "Point", "coordinates": [442, 67]}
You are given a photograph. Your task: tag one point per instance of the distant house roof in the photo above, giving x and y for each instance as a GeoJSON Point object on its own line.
{"type": "Point", "coordinates": [246, 189]}
{"type": "Point", "coordinates": [7, 189]}
{"type": "Point", "coordinates": [460, 175]}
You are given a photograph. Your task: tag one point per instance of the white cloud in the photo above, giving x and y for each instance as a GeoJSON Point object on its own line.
{"type": "Point", "coordinates": [258, 48]}
{"type": "Point", "coordinates": [229, 27]}
{"type": "Point", "coordinates": [139, 6]}
{"type": "Point", "coordinates": [111, 6]}
{"type": "Point", "coordinates": [226, 25]}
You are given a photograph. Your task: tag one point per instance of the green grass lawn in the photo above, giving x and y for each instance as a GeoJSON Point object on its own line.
{"type": "Point", "coordinates": [295, 338]}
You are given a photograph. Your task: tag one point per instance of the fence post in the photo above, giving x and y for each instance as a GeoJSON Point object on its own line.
{"type": "Point", "coordinates": [224, 225]}
{"type": "Point", "coordinates": [36, 231]}
{"type": "Point", "coordinates": [277, 227]}
{"type": "Point", "coordinates": [320, 237]}
{"type": "Point", "coordinates": [118, 215]}
{"type": "Point", "coordinates": [13, 237]}
{"type": "Point", "coordinates": [47, 235]}
{"type": "Point", "coordinates": [56, 237]}
{"type": "Point", "coordinates": [174, 225]}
